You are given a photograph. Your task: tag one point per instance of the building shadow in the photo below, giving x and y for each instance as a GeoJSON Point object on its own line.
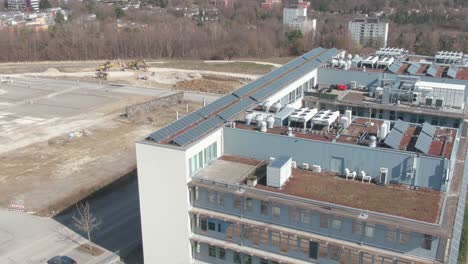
{"type": "Point", "coordinates": [117, 208]}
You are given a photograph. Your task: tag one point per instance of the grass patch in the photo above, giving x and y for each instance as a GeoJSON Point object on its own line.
{"type": "Point", "coordinates": [234, 67]}
{"type": "Point", "coordinates": [464, 238]}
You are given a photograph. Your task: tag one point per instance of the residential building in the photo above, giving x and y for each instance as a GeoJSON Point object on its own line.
{"type": "Point", "coordinates": [264, 176]}
{"type": "Point", "coordinates": [270, 4]}
{"type": "Point", "coordinates": [295, 18]}
{"type": "Point", "coordinates": [23, 5]}
{"type": "Point", "coordinates": [369, 32]}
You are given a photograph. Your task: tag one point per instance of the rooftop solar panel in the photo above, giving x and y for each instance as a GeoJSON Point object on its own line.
{"type": "Point", "coordinates": [424, 143]}
{"type": "Point", "coordinates": [394, 139]}
{"type": "Point", "coordinates": [196, 132]}
{"type": "Point", "coordinates": [428, 129]}
{"type": "Point", "coordinates": [327, 55]}
{"type": "Point", "coordinates": [295, 63]}
{"type": "Point", "coordinates": [452, 73]}
{"type": "Point", "coordinates": [175, 127]}
{"type": "Point", "coordinates": [216, 105]}
{"type": "Point", "coordinates": [311, 54]}
{"type": "Point", "coordinates": [432, 71]}
{"type": "Point", "coordinates": [395, 67]}
{"type": "Point", "coordinates": [401, 125]}
{"type": "Point", "coordinates": [413, 69]}
{"type": "Point", "coordinates": [236, 108]}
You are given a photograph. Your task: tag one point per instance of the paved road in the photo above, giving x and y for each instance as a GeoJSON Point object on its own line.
{"type": "Point", "coordinates": [28, 239]}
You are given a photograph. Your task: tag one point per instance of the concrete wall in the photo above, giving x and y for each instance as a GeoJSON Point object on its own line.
{"type": "Point", "coordinates": [163, 190]}
{"type": "Point", "coordinates": [328, 155]}
{"type": "Point", "coordinates": [154, 104]}
{"type": "Point", "coordinates": [162, 181]}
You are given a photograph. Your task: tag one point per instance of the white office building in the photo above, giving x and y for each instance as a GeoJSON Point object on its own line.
{"type": "Point", "coordinates": [296, 19]}
{"type": "Point", "coordinates": [369, 32]}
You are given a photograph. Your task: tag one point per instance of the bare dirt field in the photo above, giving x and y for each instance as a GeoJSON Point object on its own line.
{"type": "Point", "coordinates": [49, 176]}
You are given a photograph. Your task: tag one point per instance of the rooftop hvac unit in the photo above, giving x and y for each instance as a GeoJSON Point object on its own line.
{"type": "Point", "coordinates": [316, 168]}
{"type": "Point", "coordinates": [416, 98]}
{"type": "Point", "coordinates": [429, 100]}
{"type": "Point", "coordinates": [305, 166]}
{"type": "Point", "coordinates": [439, 102]}
{"type": "Point", "coordinates": [383, 177]}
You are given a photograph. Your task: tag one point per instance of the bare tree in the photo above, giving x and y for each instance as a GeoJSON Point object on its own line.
{"type": "Point", "coordinates": [85, 221]}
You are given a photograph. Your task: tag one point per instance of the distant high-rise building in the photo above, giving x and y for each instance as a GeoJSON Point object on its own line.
{"type": "Point", "coordinates": [369, 32]}
{"type": "Point", "coordinates": [23, 5]}
{"type": "Point", "coordinates": [295, 18]}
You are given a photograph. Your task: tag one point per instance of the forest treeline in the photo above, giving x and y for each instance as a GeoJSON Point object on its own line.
{"type": "Point", "coordinates": [245, 31]}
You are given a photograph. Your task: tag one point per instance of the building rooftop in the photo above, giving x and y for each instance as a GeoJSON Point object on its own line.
{"type": "Point", "coordinates": [422, 205]}
{"type": "Point", "coordinates": [360, 130]}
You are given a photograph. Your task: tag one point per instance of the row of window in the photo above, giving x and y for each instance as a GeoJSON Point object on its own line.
{"type": "Point", "coordinates": [330, 251]}
{"type": "Point", "coordinates": [201, 159]}
{"type": "Point", "coordinates": [304, 217]}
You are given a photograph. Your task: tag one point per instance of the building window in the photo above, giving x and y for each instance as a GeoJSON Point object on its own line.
{"type": "Point", "coordinates": [248, 204]}
{"type": "Point", "coordinates": [304, 245]}
{"type": "Point", "coordinates": [336, 224]}
{"type": "Point", "coordinates": [264, 207]}
{"type": "Point", "coordinates": [334, 252]}
{"type": "Point", "coordinates": [390, 235]}
{"type": "Point", "coordinates": [212, 251]}
{"type": "Point", "coordinates": [313, 249]}
{"type": "Point", "coordinates": [221, 253]}
{"type": "Point", "coordinates": [202, 158]}
{"type": "Point", "coordinates": [263, 261]}
{"type": "Point", "coordinates": [211, 197]}
{"type": "Point", "coordinates": [305, 217]}
{"type": "Point", "coordinates": [404, 238]}
{"type": "Point", "coordinates": [324, 221]}
{"type": "Point", "coordinates": [196, 193]}
{"type": "Point", "coordinates": [293, 215]}
{"type": "Point", "coordinates": [211, 226]}
{"type": "Point", "coordinates": [276, 211]}
{"type": "Point", "coordinates": [237, 202]}
{"type": "Point", "coordinates": [236, 258]}
{"type": "Point", "coordinates": [275, 238]}
{"type": "Point", "coordinates": [357, 228]}
{"type": "Point", "coordinates": [203, 224]}
{"type": "Point", "coordinates": [426, 242]}
{"type": "Point", "coordinates": [221, 199]}
{"type": "Point", "coordinates": [369, 230]}
{"type": "Point", "coordinates": [247, 259]}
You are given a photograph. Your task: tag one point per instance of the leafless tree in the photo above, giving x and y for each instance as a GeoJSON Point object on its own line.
{"type": "Point", "coordinates": [85, 221]}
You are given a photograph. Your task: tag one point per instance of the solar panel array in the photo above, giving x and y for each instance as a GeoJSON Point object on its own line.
{"type": "Point", "coordinates": [235, 103]}
{"type": "Point", "coordinates": [413, 69]}
{"type": "Point", "coordinates": [432, 71]}
{"type": "Point", "coordinates": [396, 134]}
{"type": "Point", "coordinates": [395, 67]}
{"type": "Point", "coordinates": [216, 105]}
{"type": "Point", "coordinates": [424, 141]}
{"type": "Point", "coordinates": [175, 127]}
{"type": "Point", "coordinates": [452, 72]}
{"type": "Point", "coordinates": [196, 132]}
{"type": "Point", "coordinates": [236, 109]}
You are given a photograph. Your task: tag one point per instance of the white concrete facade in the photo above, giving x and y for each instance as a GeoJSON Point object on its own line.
{"type": "Point", "coordinates": [163, 175]}
{"type": "Point", "coordinates": [369, 31]}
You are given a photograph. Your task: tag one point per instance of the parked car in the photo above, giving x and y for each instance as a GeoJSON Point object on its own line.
{"type": "Point", "coordinates": [61, 260]}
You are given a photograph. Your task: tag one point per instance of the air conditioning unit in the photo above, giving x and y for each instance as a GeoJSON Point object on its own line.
{"type": "Point", "coordinates": [416, 98]}
{"type": "Point", "coordinates": [316, 168]}
{"type": "Point", "coordinates": [439, 102]}
{"type": "Point", "coordinates": [429, 100]}
{"type": "Point", "coordinates": [305, 166]}
{"type": "Point", "coordinates": [383, 177]}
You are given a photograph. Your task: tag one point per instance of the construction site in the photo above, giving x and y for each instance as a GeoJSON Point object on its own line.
{"type": "Point", "coordinates": [68, 129]}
